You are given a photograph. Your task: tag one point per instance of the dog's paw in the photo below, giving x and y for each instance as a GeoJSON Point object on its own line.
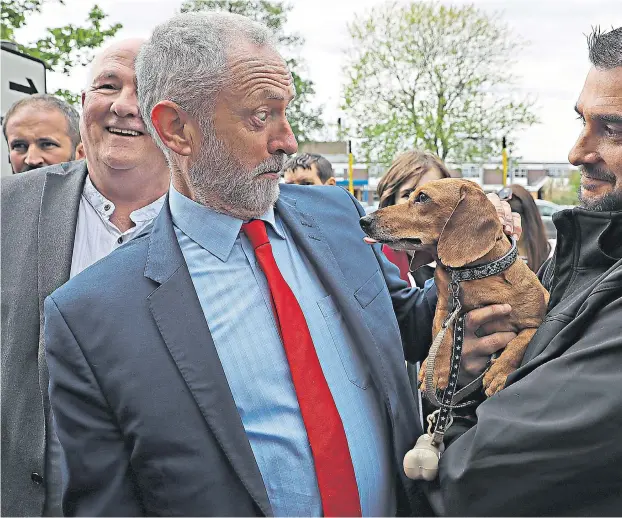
{"type": "Point", "coordinates": [422, 369]}
{"type": "Point", "coordinates": [441, 377]}
{"type": "Point", "coordinates": [494, 380]}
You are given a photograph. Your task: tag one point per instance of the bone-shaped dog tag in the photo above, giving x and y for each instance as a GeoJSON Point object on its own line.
{"type": "Point", "coordinates": [422, 461]}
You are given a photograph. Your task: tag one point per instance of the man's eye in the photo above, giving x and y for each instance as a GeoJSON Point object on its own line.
{"type": "Point", "coordinates": [18, 147]}
{"type": "Point", "coordinates": [48, 145]}
{"type": "Point", "coordinates": [613, 132]}
{"type": "Point", "coordinates": [421, 198]}
{"type": "Point", "coordinates": [106, 86]}
{"type": "Point", "coordinates": [262, 116]}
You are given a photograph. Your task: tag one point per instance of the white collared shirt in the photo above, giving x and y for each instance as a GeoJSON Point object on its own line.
{"type": "Point", "coordinates": [95, 235]}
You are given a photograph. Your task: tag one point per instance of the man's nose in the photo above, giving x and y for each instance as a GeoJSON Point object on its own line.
{"type": "Point", "coordinates": [126, 105]}
{"type": "Point", "coordinates": [284, 141]}
{"type": "Point", "coordinates": [584, 150]}
{"type": "Point", "coordinates": [34, 158]}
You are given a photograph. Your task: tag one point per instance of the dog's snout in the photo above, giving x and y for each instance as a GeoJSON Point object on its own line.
{"type": "Point", "coordinates": [366, 222]}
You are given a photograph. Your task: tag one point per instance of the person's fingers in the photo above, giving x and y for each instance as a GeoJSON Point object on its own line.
{"type": "Point", "coordinates": [471, 369]}
{"type": "Point", "coordinates": [504, 212]}
{"type": "Point", "coordinates": [477, 317]}
{"type": "Point", "coordinates": [477, 351]}
{"type": "Point", "coordinates": [498, 325]}
{"type": "Point", "coordinates": [517, 225]}
{"type": "Point", "coordinates": [508, 220]}
{"type": "Point", "coordinates": [496, 201]}
{"type": "Point", "coordinates": [489, 344]}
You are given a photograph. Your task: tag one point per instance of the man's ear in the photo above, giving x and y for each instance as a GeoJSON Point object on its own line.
{"type": "Point", "coordinates": [82, 97]}
{"type": "Point", "coordinates": [79, 154]}
{"type": "Point", "coordinates": [173, 127]}
{"type": "Point", "coordinates": [331, 181]}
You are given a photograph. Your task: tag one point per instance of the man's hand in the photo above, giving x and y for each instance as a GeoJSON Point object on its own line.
{"type": "Point", "coordinates": [511, 221]}
{"type": "Point", "coordinates": [486, 332]}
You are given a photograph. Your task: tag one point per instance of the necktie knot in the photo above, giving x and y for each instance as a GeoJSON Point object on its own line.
{"type": "Point", "coordinates": [255, 231]}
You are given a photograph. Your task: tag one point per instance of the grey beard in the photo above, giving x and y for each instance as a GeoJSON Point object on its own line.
{"type": "Point", "coordinates": [610, 202]}
{"type": "Point", "coordinates": [220, 182]}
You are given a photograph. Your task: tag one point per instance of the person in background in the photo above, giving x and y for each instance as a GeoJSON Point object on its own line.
{"type": "Point", "coordinates": [309, 169]}
{"type": "Point", "coordinates": [407, 172]}
{"type": "Point", "coordinates": [56, 222]}
{"type": "Point", "coordinates": [42, 130]}
{"type": "Point", "coordinates": [533, 246]}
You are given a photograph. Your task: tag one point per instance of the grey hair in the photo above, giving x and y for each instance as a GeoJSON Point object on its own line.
{"type": "Point", "coordinates": [49, 102]}
{"type": "Point", "coordinates": [186, 61]}
{"type": "Point", "coordinates": [605, 48]}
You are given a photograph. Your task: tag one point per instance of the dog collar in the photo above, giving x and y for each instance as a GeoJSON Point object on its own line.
{"type": "Point", "coordinates": [485, 270]}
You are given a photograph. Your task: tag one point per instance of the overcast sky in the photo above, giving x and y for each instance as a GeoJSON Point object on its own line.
{"type": "Point", "coordinates": [551, 69]}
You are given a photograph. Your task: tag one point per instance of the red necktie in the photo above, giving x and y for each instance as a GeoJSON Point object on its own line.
{"type": "Point", "coordinates": [327, 438]}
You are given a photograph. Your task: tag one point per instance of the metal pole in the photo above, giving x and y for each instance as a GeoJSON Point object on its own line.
{"type": "Point", "coordinates": [350, 168]}
{"type": "Point", "coordinates": [504, 156]}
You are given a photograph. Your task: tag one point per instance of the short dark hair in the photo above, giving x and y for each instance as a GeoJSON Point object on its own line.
{"type": "Point", "coordinates": [49, 102]}
{"type": "Point", "coordinates": [306, 160]}
{"type": "Point", "coordinates": [605, 48]}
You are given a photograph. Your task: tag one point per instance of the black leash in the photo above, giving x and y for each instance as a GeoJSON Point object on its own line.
{"type": "Point", "coordinates": [440, 420]}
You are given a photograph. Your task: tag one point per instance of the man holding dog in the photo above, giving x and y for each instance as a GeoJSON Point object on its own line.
{"type": "Point", "coordinates": [244, 357]}
{"type": "Point", "coordinates": [550, 443]}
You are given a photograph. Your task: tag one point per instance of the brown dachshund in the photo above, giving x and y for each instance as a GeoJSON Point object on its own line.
{"type": "Point", "coordinates": [453, 220]}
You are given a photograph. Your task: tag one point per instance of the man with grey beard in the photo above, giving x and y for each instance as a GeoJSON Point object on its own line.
{"type": "Point", "coordinates": [245, 358]}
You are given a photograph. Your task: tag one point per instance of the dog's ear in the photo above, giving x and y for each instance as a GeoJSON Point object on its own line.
{"type": "Point", "coordinates": [471, 230]}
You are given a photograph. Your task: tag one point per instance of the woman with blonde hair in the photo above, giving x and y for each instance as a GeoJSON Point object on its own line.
{"type": "Point", "coordinates": [407, 172]}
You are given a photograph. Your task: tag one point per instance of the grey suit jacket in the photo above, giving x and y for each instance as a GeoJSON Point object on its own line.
{"type": "Point", "coordinates": [133, 367]}
{"type": "Point", "coordinates": [39, 213]}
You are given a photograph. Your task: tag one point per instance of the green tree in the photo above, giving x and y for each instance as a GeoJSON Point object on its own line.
{"type": "Point", "coordinates": [62, 48]}
{"type": "Point", "coordinates": [424, 75]}
{"type": "Point", "coordinates": [303, 117]}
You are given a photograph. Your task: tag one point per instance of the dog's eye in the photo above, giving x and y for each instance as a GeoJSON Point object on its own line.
{"type": "Point", "coordinates": [421, 198]}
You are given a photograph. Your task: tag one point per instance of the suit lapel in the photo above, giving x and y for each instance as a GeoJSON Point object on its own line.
{"type": "Point", "coordinates": [180, 319]}
{"type": "Point", "coordinates": [314, 245]}
{"type": "Point", "coordinates": [57, 226]}
{"type": "Point", "coordinates": [55, 236]}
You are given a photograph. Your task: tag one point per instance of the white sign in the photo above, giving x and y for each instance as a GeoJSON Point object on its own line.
{"type": "Point", "coordinates": [21, 76]}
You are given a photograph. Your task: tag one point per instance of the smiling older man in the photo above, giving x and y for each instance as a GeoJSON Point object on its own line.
{"type": "Point", "coordinates": [57, 221]}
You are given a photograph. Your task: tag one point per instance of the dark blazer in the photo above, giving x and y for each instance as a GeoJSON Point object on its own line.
{"type": "Point", "coordinates": [142, 405]}
{"type": "Point", "coordinates": [39, 214]}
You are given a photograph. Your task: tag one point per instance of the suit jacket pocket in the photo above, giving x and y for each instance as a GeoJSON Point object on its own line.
{"type": "Point", "coordinates": [351, 359]}
{"type": "Point", "coordinates": [370, 290]}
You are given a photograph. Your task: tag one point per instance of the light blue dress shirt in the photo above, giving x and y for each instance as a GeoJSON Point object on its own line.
{"type": "Point", "coordinates": [235, 299]}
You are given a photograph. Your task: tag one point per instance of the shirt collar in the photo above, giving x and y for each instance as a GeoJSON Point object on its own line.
{"type": "Point", "coordinates": [211, 230]}
{"type": "Point", "coordinates": [105, 207]}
